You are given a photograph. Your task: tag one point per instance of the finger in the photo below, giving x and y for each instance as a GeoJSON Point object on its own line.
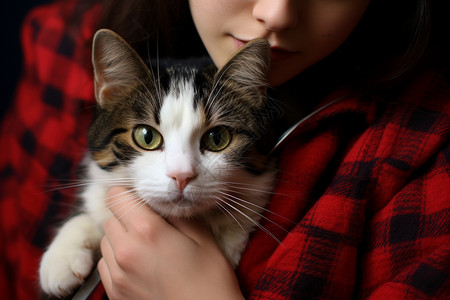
{"type": "Point", "coordinates": [107, 264]}
{"type": "Point", "coordinates": [194, 229]}
{"type": "Point", "coordinates": [113, 224]}
{"type": "Point", "coordinates": [119, 200]}
{"type": "Point", "coordinates": [108, 254]}
{"type": "Point", "coordinates": [131, 211]}
{"type": "Point", "coordinates": [105, 274]}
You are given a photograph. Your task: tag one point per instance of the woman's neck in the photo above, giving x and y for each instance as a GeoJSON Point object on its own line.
{"type": "Point", "coordinates": [298, 97]}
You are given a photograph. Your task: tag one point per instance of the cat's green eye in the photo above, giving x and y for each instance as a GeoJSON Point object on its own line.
{"type": "Point", "coordinates": [147, 137]}
{"type": "Point", "coordinates": [216, 139]}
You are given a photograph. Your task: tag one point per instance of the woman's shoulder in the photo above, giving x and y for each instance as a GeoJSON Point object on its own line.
{"type": "Point", "coordinates": [59, 16]}
{"type": "Point", "coordinates": [50, 108]}
{"type": "Point", "coordinates": [56, 47]}
{"type": "Point", "coordinates": [421, 107]}
{"type": "Point", "coordinates": [410, 136]}
{"type": "Point", "coordinates": [430, 88]}
{"type": "Point", "coordinates": [59, 29]}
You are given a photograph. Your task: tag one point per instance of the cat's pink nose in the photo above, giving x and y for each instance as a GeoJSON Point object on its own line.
{"type": "Point", "coordinates": [183, 179]}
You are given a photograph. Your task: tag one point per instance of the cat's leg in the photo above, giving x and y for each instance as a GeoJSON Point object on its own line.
{"type": "Point", "coordinates": [71, 256]}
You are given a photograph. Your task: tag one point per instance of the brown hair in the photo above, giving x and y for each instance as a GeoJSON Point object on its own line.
{"type": "Point", "coordinates": [154, 27]}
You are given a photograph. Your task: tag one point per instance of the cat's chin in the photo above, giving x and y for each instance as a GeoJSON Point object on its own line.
{"type": "Point", "coordinates": [178, 206]}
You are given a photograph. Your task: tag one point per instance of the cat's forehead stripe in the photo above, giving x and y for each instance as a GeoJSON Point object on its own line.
{"type": "Point", "coordinates": [179, 109]}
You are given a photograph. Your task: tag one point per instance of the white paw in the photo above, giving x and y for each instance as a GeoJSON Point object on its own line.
{"type": "Point", "coordinates": [63, 268]}
{"type": "Point", "coordinates": [70, 257]}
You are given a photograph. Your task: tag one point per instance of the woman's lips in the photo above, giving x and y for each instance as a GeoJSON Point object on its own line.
{"type": "Point", "coordinates": [239, 43]}
{"type": "Point", "coordinates": [277, 54]}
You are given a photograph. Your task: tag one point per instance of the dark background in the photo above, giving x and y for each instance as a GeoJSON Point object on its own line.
{"type": "Point", "coordinates": [11, 17]}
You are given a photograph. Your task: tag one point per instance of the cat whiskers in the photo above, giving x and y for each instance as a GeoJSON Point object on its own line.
{"type": "Point", "coordinates": [125, 196]}
{"type": "Point", "coordinates": [79, 183]}
{"type": "Point", "coordinates": [228, 213]}
{"type": "Point", "coordinates": [246, 204]}
{"type": "Point", "coordinates": [156, 79]}
{"type": "Point", "coordinates": [145, 97]}
{"type": "Point", "coordinates": [249, 218]}
{"type": "Point", "coordinates": [247, 187]}
{"type": "Point", "coordinates": [257, 206]}
{"type": "Point", "coordinates": [213, 94]}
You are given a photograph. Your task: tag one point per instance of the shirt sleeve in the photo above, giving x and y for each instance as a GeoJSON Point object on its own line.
{"type": "Point", "coordinates": [42, 138]}
{"type": "Point", "coordinates": [378, 227]}
{"type": "Point", "coordinates": [407, 251]}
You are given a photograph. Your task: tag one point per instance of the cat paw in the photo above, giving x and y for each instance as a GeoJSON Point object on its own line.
{"type": "Point", "coordinates": [62, 270]}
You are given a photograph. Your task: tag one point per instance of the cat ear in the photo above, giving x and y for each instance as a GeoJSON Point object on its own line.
{"type": "Point", "coordinates": [248, 67]}
{"type": "Point", "coordinates": [117, 67]}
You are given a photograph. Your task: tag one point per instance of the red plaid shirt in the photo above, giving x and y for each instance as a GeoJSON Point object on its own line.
{"type": "Point", "coordinates": [363, 187]}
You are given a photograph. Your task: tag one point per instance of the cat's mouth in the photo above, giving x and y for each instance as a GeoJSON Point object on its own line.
{"type": "Point", "coordinates": [176, 203]}
{"type": "Point", "coordinates": [184, 205]}
{"type": "Point", "coordinates": [181, 201]}
{"type": "Point", "coordinates": [175, 206]}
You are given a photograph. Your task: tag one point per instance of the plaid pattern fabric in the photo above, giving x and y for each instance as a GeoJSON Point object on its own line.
{"type": "Point", "coordinates": [361, 203]}
{"type": "Point", "coordinates": [365, 185]}
{"type": "Point", "coordinates": [43, 138]}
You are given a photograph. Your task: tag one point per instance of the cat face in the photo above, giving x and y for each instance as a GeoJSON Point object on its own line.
{"type": "Point", "coordinates": [184, 138]}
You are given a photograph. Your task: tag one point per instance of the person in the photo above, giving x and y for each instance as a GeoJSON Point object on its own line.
{"type": "Point", "coordinates": [361, 203]}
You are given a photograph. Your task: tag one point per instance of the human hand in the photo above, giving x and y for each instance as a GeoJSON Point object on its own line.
{"type": "Point", "coordinates": [146, 257]}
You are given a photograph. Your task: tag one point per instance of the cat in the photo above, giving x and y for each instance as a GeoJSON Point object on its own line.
{"type": "Point", "coordinates": [190, 141]}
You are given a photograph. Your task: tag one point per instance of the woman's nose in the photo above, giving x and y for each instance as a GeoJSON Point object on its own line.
{"type": "Point", "coordinates": [277, 15]}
